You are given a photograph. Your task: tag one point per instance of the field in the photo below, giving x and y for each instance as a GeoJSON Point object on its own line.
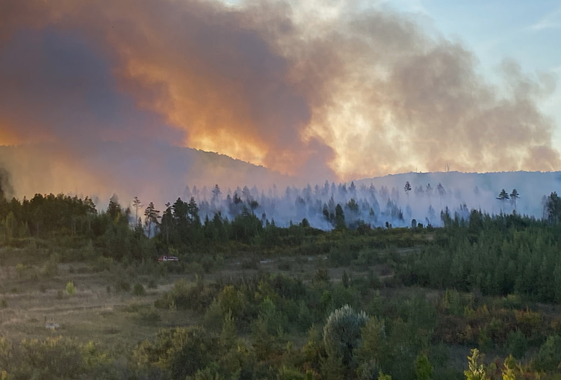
{"type": "Point", "coordinates": [32, 304]}
{"type": "Point", "coordinates": [262, 302]}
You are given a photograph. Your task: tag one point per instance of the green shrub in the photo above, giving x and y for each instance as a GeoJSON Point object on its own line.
{"type": "Point", "coordinates": [304, 319]}
{"type": "Point", "coordinates": [339, 257]}
{"type": "Point", "coordinates": [133, 307]}
{"type": "Point", "coordinates": [284, 265]}
{"type": "Point", "coordinates": [180, 352]}
{"type": "Point", "coordinates": [207, 263]}
{"type": "Point", "coordinates": [219, 262]}
{"type": "Point", "coordinates": [70, 288]}
{"type": "Point", "coordinates": [50, 268]}
{"type": "Point", "coordinates": [516, 343]}
{"type": "Point", "coordinates": [102, 264]}
{"type": "Point", "coordinates": [286, 373]}
{"type": "Point", "coordinates": [138, 290]}
{"type": "Point", "coordinates": [213, 317]}
{"type": "Point", "coordinates": [342, 332]}
{"type": "Point", "coordinates": [423, 368]}
{"type": "Point", "coordinates": [549, 357]}
{"type": "Point", "coordinates": [149, 317]}
{"type": "Point", "coordinates": [53, 358]}
{"type": "Point", "coordinates": [321, 276]}
{"type": "Point", "coordinates": [250, 263]}
{"type": "Point", "coordinates": [231, 300]}
{"type": "Point", "coordinates": [195, 268]}
{"type": "Point", "coordinates": [4, 303]}
{"type": "Point", "coordinates": [123, 286]}
{"type": "Point", "coordinates": [185, 296]}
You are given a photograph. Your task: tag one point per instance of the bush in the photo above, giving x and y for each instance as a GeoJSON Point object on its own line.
{"type": "Point", "coordinates": [180, 352]}
{"type": "Point", "coordinates": [4, 303]}
{"type": "Point", "coordinates": [102, 264]}
{"type": "Point", "coordinates": [133, 307]}
{"type": "Point", "coordinates": [339, 257]}
{"type": "Point", "coordinates": [150, 317]}
{"type": "Point", "coordinates": [250, 263]}
{"type": "Point", "coordinates": [231, 300]}
{"type": "Point", "coordinates": [517, 344]}
{"type": "Point", "coordinates": [549, 357]}
{"type": "Point", "coordinates": [284, 265]}
{"type": "Point", "coordinates": [195, 268]}
{"type": "Point", "coordinates": [207, 263]}
{"type": "Point", "coordinates": [423, 368]}
{"type": "Point", "coordinates": [70, 288]}
{"type": "Point", "coordinates": [138, 290]}
{"type": "Point", "coordinates": [185, 296]}
{"type": "Point", "coordinates": [53, 358]}
{"type": "Point", "coordinates": [50, 268]}
{"type": "Point", "coordinates": [321, 275]}
{"type": "Point", "coordinates": [213, 317]}
{"type": "Point", "coordinates": [152, 284]}
{"type": "Point", "coordinates": [123, 286]}
{"type": "Point", "coordinates": [342, 332]}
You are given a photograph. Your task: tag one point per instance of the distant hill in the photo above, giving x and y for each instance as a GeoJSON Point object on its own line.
{"type": "Point", "coordinates": [477, 190]}
{"type": "Point", "coordinates": [160, 173]}
{"type": "Point", "coordinates": [157, 172]}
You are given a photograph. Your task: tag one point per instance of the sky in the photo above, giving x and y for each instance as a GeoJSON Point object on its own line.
{"type": "Point", "coordinates": [310, 89]}
{"type": "Point", "coordinates": [529, 33]}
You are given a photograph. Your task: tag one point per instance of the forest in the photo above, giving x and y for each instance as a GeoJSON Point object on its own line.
{"type": "Point", "coordinates": [475, 297]}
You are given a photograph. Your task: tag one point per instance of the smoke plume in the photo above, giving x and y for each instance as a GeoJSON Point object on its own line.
{"type": "Point", "coordinates": [310, 89]}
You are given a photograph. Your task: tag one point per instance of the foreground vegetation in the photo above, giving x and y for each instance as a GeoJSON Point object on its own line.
{"type": "Point", "coordinates": [249, 300]}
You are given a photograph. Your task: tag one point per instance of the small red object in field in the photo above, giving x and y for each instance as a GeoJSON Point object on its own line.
{"type": "Point", "coordinates": [168, 258]}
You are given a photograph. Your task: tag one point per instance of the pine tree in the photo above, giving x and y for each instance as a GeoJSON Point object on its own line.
{"type": "Point", "coordinates": [513, 197]}
{"type": "Point", "coordinates": [152, 217]}
{"type": "Point", "coordinates": [407, 189]}
{"type": "Point", "coordinates": [136, 204]}
{"type": "Point", "coordinates": [503, 196]}
{"type": "Point", "coordinates": [339, 217]}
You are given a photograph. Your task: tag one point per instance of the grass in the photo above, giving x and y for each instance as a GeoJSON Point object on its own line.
{"type": "Point", "coordinates": [118, 320]}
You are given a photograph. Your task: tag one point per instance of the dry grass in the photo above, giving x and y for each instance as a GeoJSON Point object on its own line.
{"type": "Point", "coordinates": [111, 319]}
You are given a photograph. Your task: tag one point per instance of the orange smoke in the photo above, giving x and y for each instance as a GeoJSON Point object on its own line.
{"type": "Point", "coordinates": [308, 89]}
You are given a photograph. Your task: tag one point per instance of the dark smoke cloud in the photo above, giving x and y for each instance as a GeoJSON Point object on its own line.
{"type": "Point", "coordinates": [313, 89]}
{"type": "Point", "coordinates": [54, 87]}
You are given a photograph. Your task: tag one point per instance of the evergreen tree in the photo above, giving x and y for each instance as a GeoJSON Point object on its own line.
{"type": "Point", "coordinates": [407, 189]}
{"type": "Point", "coordinates": [339, 217]}
{"type": "Point", "coordinates": [216, 194]}
{"type": "Point", "coordinates": [114, 209]}
{"type": "Point", "coordinates": [503, 196]}
{"type": "Point", "coordinates": [136, 204]}
{"type": "Point", "coordinates": [553, 208]}
{"type": "Point", "coordinates": [513, 197]}
{"type": "Point", "coordinates": [152, 217]}
{"type": "Point", "coordinates": [342, 333]}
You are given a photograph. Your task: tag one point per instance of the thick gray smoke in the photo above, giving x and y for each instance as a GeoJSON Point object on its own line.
{"type": "Point", "coordinates": [311, 89]}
